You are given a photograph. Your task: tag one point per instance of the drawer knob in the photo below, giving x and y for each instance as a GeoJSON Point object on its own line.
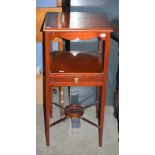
{"type": "Point", "coordinates": [76, 80]}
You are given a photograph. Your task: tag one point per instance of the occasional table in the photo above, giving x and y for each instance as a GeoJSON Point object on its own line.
{"type": "Point", "coordinates": [76, 68]}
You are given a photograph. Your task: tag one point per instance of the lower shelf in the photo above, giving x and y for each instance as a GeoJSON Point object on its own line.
{"type": "Point", "coordinates": [74, 111]}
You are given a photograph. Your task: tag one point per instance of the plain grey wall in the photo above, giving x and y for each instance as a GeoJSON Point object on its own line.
{"type": "Point", "coordinates": [111, 7]}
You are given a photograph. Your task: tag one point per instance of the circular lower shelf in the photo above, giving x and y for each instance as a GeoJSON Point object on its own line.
{"type": "Point", "coordinates": [74, 111]}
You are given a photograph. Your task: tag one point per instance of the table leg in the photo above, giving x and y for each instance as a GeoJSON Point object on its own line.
{"type": "Point", "coordinates": [106, 58]}
{"type": "Point", "coordinates": [47, 87]}
{"type": "Point", "coordinates": [102, 116]}
{"type": "Point", "coordinates": [47, 115]}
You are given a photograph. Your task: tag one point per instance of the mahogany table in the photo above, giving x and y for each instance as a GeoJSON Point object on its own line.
{"type": "Point", "coordinates": [74, 68]}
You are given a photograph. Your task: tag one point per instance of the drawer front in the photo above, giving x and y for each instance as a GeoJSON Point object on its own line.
{"type": "Point", "coordinates": [76, 79]}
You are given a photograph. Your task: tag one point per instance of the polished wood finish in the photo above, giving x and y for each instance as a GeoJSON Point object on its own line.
{"type": "Point", "coordinates": [47, 87]}
{"type": "Point", "coordinates": [70, 79]}
{"type": "Point", "coordinates": [106, 59]}
{"type": "Point", "coordinates": [76, 21]}
{"type": "Point", "coordinates": [77, 68]}
{"type": "Point", "coordinates": [76, 62]}
{"type": "Point", "coordinates": [74, 111]}
{"type": "Point", "coordinates": [76, 35]}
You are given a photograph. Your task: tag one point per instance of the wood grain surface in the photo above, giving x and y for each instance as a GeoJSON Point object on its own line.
{"type": "Point", "coordinates": [76, 21]}
{"type": "Point", "coordinates": [76, 62]}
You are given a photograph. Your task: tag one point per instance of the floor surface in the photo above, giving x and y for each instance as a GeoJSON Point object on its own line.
{"type": "Point", "coordinates": [65, 140]}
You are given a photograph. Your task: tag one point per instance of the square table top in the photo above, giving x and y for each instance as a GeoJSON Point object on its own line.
{"type": "Point", "coordinates": [76, 21]}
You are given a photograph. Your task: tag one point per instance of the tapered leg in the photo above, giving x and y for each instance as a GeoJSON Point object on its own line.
{"type": "Point", "coordinates": [97, 101]}
{"type": "Point", "coordinates": [47, 114]}
{"type": "Point", "coordinates": [47, 36]}
{"type": "Point", "coordinates": [106, 58]}
{"type": "Point", "coordinates": [102, 117]}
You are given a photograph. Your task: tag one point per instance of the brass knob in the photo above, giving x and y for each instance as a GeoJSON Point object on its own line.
{"type": "Point", "coordinates": [76, 80]}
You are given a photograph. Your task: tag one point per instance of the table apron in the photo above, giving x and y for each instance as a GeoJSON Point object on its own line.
{"type": "Point", "coordinates": [79, 35]}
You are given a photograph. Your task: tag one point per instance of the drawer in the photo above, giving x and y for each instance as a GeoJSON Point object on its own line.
{"type": "Point", "coordinates": [76, 79]}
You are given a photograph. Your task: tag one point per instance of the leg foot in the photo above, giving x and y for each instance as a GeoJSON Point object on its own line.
{"type": "Point", "coordinates": [101, 119]}
{"type": "Point", "coordinates": [47, 116]}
